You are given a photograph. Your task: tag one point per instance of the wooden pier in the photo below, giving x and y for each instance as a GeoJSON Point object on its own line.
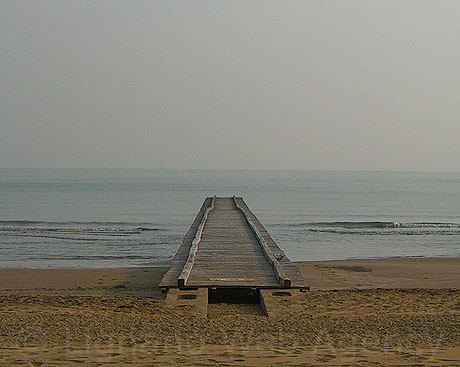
{"type": "Point", "coordinates": [227, 247]}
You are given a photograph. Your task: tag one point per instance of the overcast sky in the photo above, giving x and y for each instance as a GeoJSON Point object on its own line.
{"type": "Point", "coordinates": [329, 85]}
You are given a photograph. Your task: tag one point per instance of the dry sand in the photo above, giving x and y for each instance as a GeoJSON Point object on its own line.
{"type": "Point", "coordinates": [118, 316]}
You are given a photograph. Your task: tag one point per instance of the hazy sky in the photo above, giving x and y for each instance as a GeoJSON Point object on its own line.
{"type": "Point", "coordinates": [348, 85]}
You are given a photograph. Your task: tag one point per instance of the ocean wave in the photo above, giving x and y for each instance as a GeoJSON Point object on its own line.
{"type": "Point", "coordinates": [41, 222]}
{"type": "Point", "coordinates": [387, 232]}
{"type": "Point", "coordinates": [374, 225]}
{"type": "Point", "coordinates": [95, 257]}
{"type": "Point", "coordinates": [25, 227]}
{"type": "Point", "coordinates": [150, 229]}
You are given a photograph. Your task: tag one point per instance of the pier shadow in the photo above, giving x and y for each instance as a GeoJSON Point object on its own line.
{"type": "Point", "coordinates": [234, 301]}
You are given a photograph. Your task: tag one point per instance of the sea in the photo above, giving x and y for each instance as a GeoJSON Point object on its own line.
{"type": "Point", "coordinates": [98, 218]}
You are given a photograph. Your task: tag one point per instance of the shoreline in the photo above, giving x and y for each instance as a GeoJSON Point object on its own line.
{"type": "Point", "coordinates": [395, 272]}
{"type": "Point", "coordinates": [168, 264]}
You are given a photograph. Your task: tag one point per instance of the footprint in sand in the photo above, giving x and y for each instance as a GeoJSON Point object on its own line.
{"type": "Point", "coordinates": [325, 357]}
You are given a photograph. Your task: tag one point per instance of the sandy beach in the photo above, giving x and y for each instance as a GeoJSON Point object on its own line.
{"type": "Point", "coordinates": [180, 179]}
{"type": "Point", "coordinates": [402, 311]}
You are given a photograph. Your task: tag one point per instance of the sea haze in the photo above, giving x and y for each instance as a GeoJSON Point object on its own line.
{"type": "Point", "coordinates": [69, 218]}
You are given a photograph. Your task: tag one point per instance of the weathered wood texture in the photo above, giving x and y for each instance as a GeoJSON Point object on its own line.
{"type": "Point", "coordinates": [290, 270]}
{"type": "Point", "coordinates": [186, 270]}
{"type": "Point", "coordinates": [272, 258]}
{"type": "Point", "coordinates": [232, 253]}
{"type": "Point", "coordinates": [170, 279]}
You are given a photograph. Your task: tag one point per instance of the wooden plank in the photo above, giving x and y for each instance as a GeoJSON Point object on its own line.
{"type": "Point", "coordinates": [170, 278]}
{"type": "Point", "coordinates": [184, 275]}
{"type": "Point", "coordinates": [229, 249]}
{"type": "Point", "coordinates": [227, 246]}
{"type": "Point", "coordinates": [297, 281]}
{"type": "Point", "coordinates": [280, 274]}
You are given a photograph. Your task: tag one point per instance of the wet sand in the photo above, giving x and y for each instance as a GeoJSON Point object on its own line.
{"type": "Point", "coordinates": [433, 273]}
{"type": "Point", "coordinates": [392, 311]}
{"type": "Point", "coordinates": [109, 282]}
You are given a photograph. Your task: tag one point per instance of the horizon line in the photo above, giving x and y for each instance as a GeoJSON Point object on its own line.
{"type": "Point", "coordinates": [224, 169]}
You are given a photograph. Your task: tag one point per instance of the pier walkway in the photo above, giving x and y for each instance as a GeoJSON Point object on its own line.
{"type": "Point", "coordinates": [227, 247]}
